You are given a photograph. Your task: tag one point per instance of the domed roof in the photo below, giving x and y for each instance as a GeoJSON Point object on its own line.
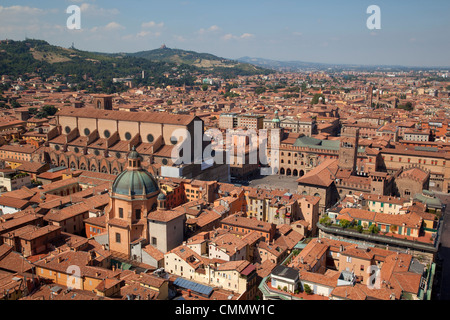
{"type": "Point", "coordinates": [133, 154]}
{"type": "Point", "coordinates": [135, 183]}
{"type": "Point", "coordinates": [276, 119]}
{"type": "Point", "coordinates": [161, 196]}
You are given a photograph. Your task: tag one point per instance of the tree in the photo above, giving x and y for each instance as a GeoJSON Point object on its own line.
{"type": "Point", "coordinates": [32, 111]}
{"type": "Point", "coordinates": [307, 289]}
{"type": "Point", "coordinates": [374, 229]}
{"type": "Point", "coordinates": [344, 223]}
{"type": "Point", "coordinates": [49, 110]}
{"type": "Point", "coordinates": [15, 104]}
{"type": "Point", "coordinates": [316, 98]}
{"type": "Point", "coordinates": [408, 106]}
{"type": "Point", "coordinates": [326, 221]}
{"type": "Point", "coordinates": [260, 90]}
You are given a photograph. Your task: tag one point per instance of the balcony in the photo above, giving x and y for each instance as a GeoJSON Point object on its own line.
{"type": "Point", "coordinates": [380, 239]}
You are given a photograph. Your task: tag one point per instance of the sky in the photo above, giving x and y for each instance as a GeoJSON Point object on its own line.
{"type": "Point", "coordinates": [413, 33]}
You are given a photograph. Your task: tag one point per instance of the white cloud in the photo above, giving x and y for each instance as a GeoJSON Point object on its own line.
{"type": "Point", "coordinates": [179, 38]}
{"type": "Point", "coordinates": [112, 26]}
{"type": "Point", "coordinates": [247, 36]}
{"type": "Point", "coordinates": [94, 10]}
{"type": "Point", "coordinates": [230, 36]}
{"type": "Point", "coordinates": [214, 28]}
{"type": "Point", "coordinates": [152, 24]}
{"type": "Point", "coordinates": [20, 10]}
{"type": "Point", "coordinates": [211, 29]}
{"type": "Point", "coordinates": [17, 21]}
{"type": "Point", "coordinates": [143, 34]}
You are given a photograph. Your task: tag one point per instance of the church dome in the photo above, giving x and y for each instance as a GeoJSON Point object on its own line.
{"type": "Point", "coordinates": [276, 119]}
{"type": "Point", "coordinates": [133, 154]}
{"type": "Point", "coordinates": [135, 181]}
{"type": "Point", "coordinates": [162, 196]}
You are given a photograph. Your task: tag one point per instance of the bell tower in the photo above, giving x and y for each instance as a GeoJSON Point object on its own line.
{"type": "Point", "coordinates": [348, 150]}
{"type": "Point", "coordinates": [133, 195]}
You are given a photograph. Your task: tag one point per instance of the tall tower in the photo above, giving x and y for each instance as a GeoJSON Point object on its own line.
{"type": "Point", "coordinates": [103, 102]}
{"type": "Point", "coordinates": [370, 96]}
{"type": "Point", "coordinates": [276, 122]}
{"type": "Point", "coordinates": [348, 150]}
{"type": "Point", "coordinates": [134, 194]}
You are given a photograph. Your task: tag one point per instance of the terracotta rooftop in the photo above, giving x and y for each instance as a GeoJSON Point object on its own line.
{"type": "Point", "coordinates": [151, 117]}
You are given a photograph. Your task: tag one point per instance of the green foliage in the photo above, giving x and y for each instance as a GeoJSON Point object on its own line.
{"type": "Point", "coordinates": [227, 68]}
{"type": "Point", "coordinates": [307, 289]}
{"type": "Point", "coordinates": [408, 106]}
{"type": "Point", "coordinates": [344, 223]}
{"type": "Point", "coordinates": [36, 182]}
{"type": "Point", "coordinates": [44, 112]}
{"type": "Point", "coordinates": [316, 97]}
{"type": "Point", "coordinates": [17, 60]}
{"type": "Point", "coordinates": [49, 110]}
{"type": "Point", "coordinates": [33, 111]}
{"type": "Point", "coordinates": [230, 95]}
{"type": "Point", "coordinates": [374, 229]}
{"type": "Point", "coordinates": [326, 221]}
{"type": "Point", "coordinates": [260, 90]}
{"type": "Point", "coordinates": [293, 89]}
{"type": "Point", "coordinates": [15, 104]}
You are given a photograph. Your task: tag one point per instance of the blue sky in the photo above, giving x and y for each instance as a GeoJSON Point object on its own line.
{"type": "Point", "coordinates": [413, 33]}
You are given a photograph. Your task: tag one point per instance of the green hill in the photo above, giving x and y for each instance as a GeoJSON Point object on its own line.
{"type": "Point", "coordinates": [37, 57]}
{"type": "Point", "coordinates": [162, 66]}
{"type": "Point", "coordinates": [204, 61]}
